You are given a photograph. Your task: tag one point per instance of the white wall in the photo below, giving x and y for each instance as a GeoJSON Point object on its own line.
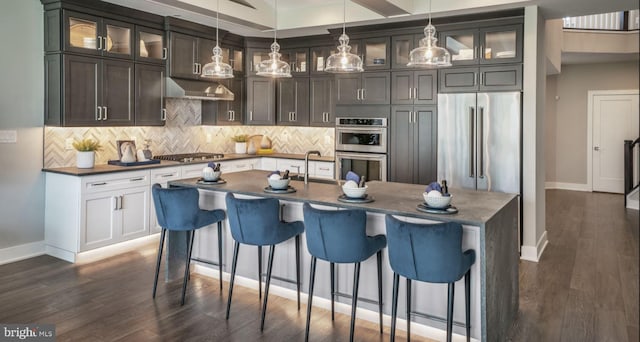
{"type": "Point", "coordinates": [21, 109]}
{"type": "Point", "coordinates": [566, 151]}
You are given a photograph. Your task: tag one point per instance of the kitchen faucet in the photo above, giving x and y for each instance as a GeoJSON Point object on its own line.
{"type": "Point", "coordinates": [306, 164]}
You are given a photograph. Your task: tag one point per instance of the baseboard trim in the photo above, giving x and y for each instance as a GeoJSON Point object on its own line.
{"type": "Point", "coordinates": [101, 253]}
{"type": "Point", "coordinates": [21, 252]}
{"type": "Point", "coordinates": [533, 254]}
{"type": "Point", "coordinates": [567, 186]}
{"type": "Point", "coordinates": [361, 313]}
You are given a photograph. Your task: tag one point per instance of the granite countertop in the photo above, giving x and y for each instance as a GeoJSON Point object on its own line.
{"type": "Point", "coordinates": [106, 168]}
{"type": "Point", "coordinates": [475, 207]}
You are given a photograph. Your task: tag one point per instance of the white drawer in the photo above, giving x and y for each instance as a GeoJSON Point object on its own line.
{"type": "Point", "coordinates": [290, 164]}
{"type": "Point", "coordinates": [323, 169]}
{"type": "Point", "coordinates": [165, 174]}
{"type": "Point", "coordinates": [192, 170]}
{"type": "Point", "coordinates": [268, 164]}
{"type": "Point", "coordinates": [240, 165]}
{"type": "Point", "coordinates": [115, 181]}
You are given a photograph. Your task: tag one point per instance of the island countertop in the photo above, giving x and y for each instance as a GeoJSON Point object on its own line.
{"type": "Point", "coordinates": [475, 207]}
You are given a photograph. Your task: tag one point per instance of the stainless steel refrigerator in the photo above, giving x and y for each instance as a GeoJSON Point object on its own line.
{"type": "Point", "coordinates": [479, 138]}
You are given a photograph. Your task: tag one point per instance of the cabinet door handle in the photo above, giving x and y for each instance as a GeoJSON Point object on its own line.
{"type": "Point", "coordinates": [115, 202]}
{"type": "Point", "coordinates": [250, 115]}
{"type": "Point", "coordinates": [195, 68]}
{"type": "Point", "coordinates": [475, 78]}
{"type": "Point", "coordinates": [229, 115]}
{"type": "Point", "coordinates": [358, 95]}
{"type": "Point", "coordinates": [364, 94]}
{"type": "Point", "coordinates": [164, 115]}
{"type": "Point", "coordinates": [233, 115]}
{"type": "Point", "coordinates": [99, 43]}
{"type": "Point", "coordinates": [475, 53]}
{"type": "Point", "coordinates": [482, 52]}
{"type": "Point", "coordinates": [98, 113]}
{"type": "Point", "coordinates": [121, 200]}
{"type": "Point", "coordinates": [481, 78]}
{"type": "Point", "coordinates": [415, 117]}
{"type": "Point", "coordinates": [106, 48]}
{"type": "Point", "coordinates": [415, 93]}
{"type": "Point", "coordinates": [164, 53]}
{"type": "Point", "coordinates": [410, 93]}
{"type": "Point", "coordinates": [105, 113]}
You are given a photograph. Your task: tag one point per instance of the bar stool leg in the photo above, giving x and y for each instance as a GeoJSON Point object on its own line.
{"type": "Point", "coordinates": [266, 289]}
{"type": "Point", "coordinates": [234, 262]}
{"type": "Point", "coordinates": [379, 257]}
{"type": "Point", "coordinates": [332, 271]}
{"type": "Point", "coordinates": [450, 311]}
{"type": "Point", "coordinates": [298, 283]}
{"type": "Point", "coordinates": [467, 302]}
{"type": "Point", "coordinates": [408, 309]}
{"type": "Point", "coordinates": [260, 272]}
{"type": "Point", "coordinates": [160, 247]}
{"type": "Point", "coordinates": [220, 253]}
{"type": "Point", "coordinates": [186, 266]}
{"type": "Point", "coordinates": [354, 303]}
{"type": "Point", "coordinates": [394, 306]}
{"type": "Point", "coordinates": [312, 276]}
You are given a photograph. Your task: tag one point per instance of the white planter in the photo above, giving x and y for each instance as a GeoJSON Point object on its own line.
{"type": "Point", "coordinates": [85, 159]}
{"type": "Point", "coordinates": [241, 148]}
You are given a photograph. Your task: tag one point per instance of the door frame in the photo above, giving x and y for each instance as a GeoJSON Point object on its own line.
{"type": "Point", "coordinates": [591, 94]}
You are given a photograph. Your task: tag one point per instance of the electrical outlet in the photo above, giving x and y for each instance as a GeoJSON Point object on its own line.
{"type": "Point", "coordinates": [68, 144]}
{"type": "Point", "coordinates": [9, 137]}
{"type": "Point", "coordinates": [209, 138]}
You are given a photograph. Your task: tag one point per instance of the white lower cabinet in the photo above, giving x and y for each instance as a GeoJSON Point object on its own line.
{"type": "Point", "coordinates": [84, 213]}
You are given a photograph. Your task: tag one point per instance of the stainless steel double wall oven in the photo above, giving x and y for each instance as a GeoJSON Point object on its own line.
{"type": "Point", "coordinates": [361, 147]}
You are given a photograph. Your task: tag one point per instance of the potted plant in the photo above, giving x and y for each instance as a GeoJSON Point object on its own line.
{"type": "Point", "coordinates": [86, 155]}
{"type": "Point", "coordinates": [241, 143]}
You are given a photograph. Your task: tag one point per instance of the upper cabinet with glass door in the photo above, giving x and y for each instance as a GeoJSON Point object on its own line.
{"type": "Point", "coordinates": [93, 35]}
{"type": "Point", "coordinates": [491, 45]}
{"type": "Point", "coordinates": [298, 59]}
{"type": "Point", "coordinates": [233, 56]}
{"type": "Point", "coordinates": [375, 52]}
{"type": "Point", "coordinates": [150, 45]}
{"type": "Point", "coordinates": [254, 57]}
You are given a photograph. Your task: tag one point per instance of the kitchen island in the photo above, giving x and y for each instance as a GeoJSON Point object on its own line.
{"type": "Point", "coordinates": [489, 226]}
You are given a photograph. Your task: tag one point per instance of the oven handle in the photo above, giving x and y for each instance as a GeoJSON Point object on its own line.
{"type": "Point", "coordinates": [363, 156]}
{"type": "Point", "coordinates": [362, 129]}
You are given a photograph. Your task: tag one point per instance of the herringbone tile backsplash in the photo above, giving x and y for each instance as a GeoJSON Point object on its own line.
{"type": "Point", "coordinates": [182, 134]}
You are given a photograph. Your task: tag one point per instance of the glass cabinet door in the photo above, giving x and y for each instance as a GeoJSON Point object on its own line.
{"type": "Point", "coordinates": [117, 39]}
{"type": "Point", "coordinates": [461, 45]}
{"type": "Point", "coordinates": [297, 59]}
{"type": "Point", "coordinates": [401, 47]}
{"type": "Point", "coordinates": [81, 33]}
{"type": "Point", "coordinates": [375, 53]}
{"type": "Point", "coordinates": [236, 60]}
{"type": "Point", "coordinates": [255, 56]}
{"type": "Point", "coordinates": [150, 45]}
{"type": "Point", "coordinates": [501, 44]}
{"type": "Point", "coordinates": [319, 57]}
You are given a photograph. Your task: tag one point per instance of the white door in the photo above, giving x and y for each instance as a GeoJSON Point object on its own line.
{"type": "Point", "coordinates": [615, 119]}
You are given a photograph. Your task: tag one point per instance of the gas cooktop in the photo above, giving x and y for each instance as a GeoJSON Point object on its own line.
{"type": "Point", "coordinates": [190, 157]}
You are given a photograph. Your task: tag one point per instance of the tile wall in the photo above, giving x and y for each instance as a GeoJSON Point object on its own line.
{"type": "Point", "coordinates": [182, 134]}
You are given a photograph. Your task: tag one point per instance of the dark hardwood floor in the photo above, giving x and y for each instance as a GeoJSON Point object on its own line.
{"type": "Point", "coordinates": [585, 288]}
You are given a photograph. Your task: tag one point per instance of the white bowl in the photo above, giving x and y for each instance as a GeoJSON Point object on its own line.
{"type": "Point", "coordinates": [211, 176]}
{"type": "Point", "coordinates": [278, 184]}
{"type": "Point", "coordinates": [437, 202]}
{"type": "Point", "coordinates": [355, 192]}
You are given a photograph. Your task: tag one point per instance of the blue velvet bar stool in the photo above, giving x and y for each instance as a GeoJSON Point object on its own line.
{"type": "Point", "coordinates": [177, 209]}
{"type": "Point", "coordinates": [430, 253]}
{"type": "Point", "coordinates": [257, 222]}
{"type": "Point", "coordinates": [339, 236]}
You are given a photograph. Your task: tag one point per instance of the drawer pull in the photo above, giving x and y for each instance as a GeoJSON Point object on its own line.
{"type": "Point", "coordinates": [136, 179]}
{"type": "Point", "coordinates": [97, 184]}
{"type": "Point", "coordinates": [324, 168]}
{"type": "Point", "coordinates": [167, 175]}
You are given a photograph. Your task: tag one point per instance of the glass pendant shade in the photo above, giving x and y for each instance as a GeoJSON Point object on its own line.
{"type": "Point", "coordinates": [428, 54]}
{"type": "Point", "coordinates": [217, 68]}
{"type": "Point", "coordinates": [344, 61]}
{"type": "Point", "coordinates": [274, 66]}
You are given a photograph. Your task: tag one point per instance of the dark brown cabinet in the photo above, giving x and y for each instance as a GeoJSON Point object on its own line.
{"type": "Point", "coordinates": [321, 101]}
{"type": "Point", "coordinates": [293, 101]}
{"type": "Point", "coordinates": [485, 78]}
{"type": "Point", "coordinates": [413, 144]}
{"type": "Point", "coordinates": [373, 51]}
{"type": "Point", "coordinates": [188, 54]}
{"type": "Point", "coordinates": [254, 57]}
{"type": "Point", "coordinates": [96, 91]}
{"type": "Point", "coordinates": [365, 88]}
{"type": "Point", "coordinates": [226, 113]}
{"type": "Point", "coordinates": [298, 60]}
{"type": "Point", "coordinates": [414, 87]}
{"type": "Point", "coordinates": [93, 35]}
{"type": "Point", "coordinates": [319, 55]}
{"type": "Point", "coordinates": [149, 95]}
{"type": "Point", "coordinates": [150, 45]}
{"type": "Point", "coordinates": [261, 95]}
{"type": "Point", "coordinates": [486, 45]}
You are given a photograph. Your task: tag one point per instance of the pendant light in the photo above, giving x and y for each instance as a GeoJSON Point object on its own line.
{"type": "Point", "coordinates": [217, 69]}
{"type": "Point", "coordinates": [344, 61]}
{"type": "Point", "coordinates": [274, 67]}
{"type": "Point", "coordinates": [428, 54]}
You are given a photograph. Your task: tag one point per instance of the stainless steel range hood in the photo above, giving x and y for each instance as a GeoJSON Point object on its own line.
{"type": "Point", "coordinates": [197, 90]}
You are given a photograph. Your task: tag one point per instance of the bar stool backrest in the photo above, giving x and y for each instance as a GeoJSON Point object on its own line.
{"type": "Point", "coordinates": [425, 252]}
{"type": "Point", "coordinates": [254, 221]}
{"type": "Point", "coordinates": [176, 208]}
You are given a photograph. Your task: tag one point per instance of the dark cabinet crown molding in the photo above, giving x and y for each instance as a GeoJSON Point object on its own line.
{"type": "Point", "coordinates": [107, 10]}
